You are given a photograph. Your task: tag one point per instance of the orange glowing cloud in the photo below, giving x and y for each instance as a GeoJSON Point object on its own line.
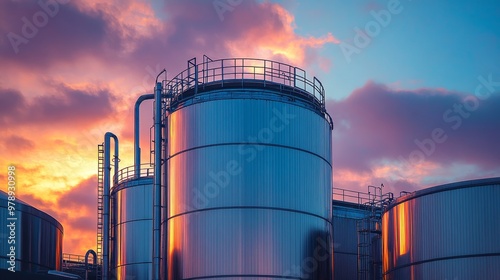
{"type": "Point", "coordinates": [275, 38]}
{"type": "Point", "coordinates": [74, 208]}
{"type": "Point", "coordinates": [63, 92]}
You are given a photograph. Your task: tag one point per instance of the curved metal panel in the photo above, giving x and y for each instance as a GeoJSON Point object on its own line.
{"type": "Point", "coordinates": [38, 238]}
{"type": "Point", "coordinates": [131, 229]}
{"type": "Point", "coordinates": [249, 121]}
{"type": "Point", "coordinates": [444, 232]}
{"type": "Point", "coordinates": [345, 239]}
{"type": "Point", "coordinates": [249, 191]}
{"type": "Point", "coordinates": [277, 177]}
{"type": "Point", "coordinates": [239, 243]}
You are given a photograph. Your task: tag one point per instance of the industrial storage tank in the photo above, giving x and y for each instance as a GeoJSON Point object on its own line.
{"type": "Point", "coordinates": [346, 217]}
{"type": "Point", "coordinates": [445, 232]}
{"type": "Point", "coordinates": [131, 224]}
{"type": "Point", "coordinates": [249, 173]}
{"type": "Point", "coordinates": [357, 237]}
{"type": "Point", "coordinates": [38, 238]}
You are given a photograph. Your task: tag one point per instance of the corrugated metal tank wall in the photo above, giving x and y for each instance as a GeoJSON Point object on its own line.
{"type": "Point", "coordinates": [345, 238]}
{"type": "Point", "coordinates": [445, 232]}
{"type": "Point", "coordinates": [131, 228]}
{"type": "Point", "coordinates": [249, 188]}
{"type": "Point", "coordinates": [38, 238]}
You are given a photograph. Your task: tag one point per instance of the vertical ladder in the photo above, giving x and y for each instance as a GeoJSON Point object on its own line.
{"type": "Point", "coordinates": [164, 108]}
{"type": "Point", "coordinates": [100, 202]}
{"type": "Point", "coordinates": [369, 236]}
{"type": "Point", "coordinates": [364, 247]}
{"type": "Point", "coordinates": [376, 255]}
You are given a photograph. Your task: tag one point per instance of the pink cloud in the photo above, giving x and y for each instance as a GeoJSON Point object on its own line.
{"type": "Point", "coordinates": [17, 143]}
{"type": "Point", "coordinates": [39, 41]}
{"type": "Point", "coordinates": [105, 32]}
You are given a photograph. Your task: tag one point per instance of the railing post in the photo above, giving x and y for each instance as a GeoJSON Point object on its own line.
{"type": "Point", "coordinates": [314, 87]}
{"type": "Point", "coordinates": [294, 76]}
{"type": "Point", "coordinates": [242, 70]}
{"type": "Point", "coordinates": [265, 72]}
{"type": "Point", "coordinates": [222, 71]}
{"type": "Point", "coordinates": [195, 79]}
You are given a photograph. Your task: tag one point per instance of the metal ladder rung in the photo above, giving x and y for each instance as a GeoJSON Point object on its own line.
{"type": "Point", "coordinates": [100, 201]}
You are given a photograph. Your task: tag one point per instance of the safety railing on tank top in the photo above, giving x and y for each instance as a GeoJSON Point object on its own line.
{"type": "Point", "coordinates": [69, 259]}
{"type": "Point", "coordinates": [228, 71]}
{"type": "Point", "coordinates": [350, 196]}
{"type": "Point", "coordinates": [362, 198]}
{"type": "Point", "coordinates": [128, 173]}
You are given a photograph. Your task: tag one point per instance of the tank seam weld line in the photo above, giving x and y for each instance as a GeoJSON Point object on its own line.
{"type": "Point", "coordinates": [442, 259]}
{"type": "Point", "coordinates": [121, 188]}
{"type": "Point", "coordinates": [31, 211]}
{"type": "Point", "coordinates": [346, 253]}
{"type": "Point", "coordinates": [302, 103]}
{"type": "Point", "coordinates": [135, 220]}
{"type": "Point", "coordinates": [250, 143]}
{"type": "Point", "coordinates": [124, 265]}
{"type": "Point", "coordinates": [250, 207]}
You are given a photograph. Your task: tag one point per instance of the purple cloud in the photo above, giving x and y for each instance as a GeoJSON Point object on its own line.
{"type": "Point", "coordinates": [17, 143]}
{"type": "Point", "coordinates": [377, 123]}
{"type": "Point", "coordinates": [67, 107]}
{"type": "Point", "coordinates": [38, 33]}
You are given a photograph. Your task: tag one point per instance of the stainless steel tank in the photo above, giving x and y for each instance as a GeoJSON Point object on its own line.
{"type": "Point", "coordinates": [357, 235]}
{"type": "Point", "coordinates": [249, 173]}
{"type": "Point", "coordinates": [38, 238]}
{"type": "Point", "coordinates": [445, 232]}
{"type": "Point", "coordinates": [346, 216]}
{"type": "Point", "coordinates": [131, 224]}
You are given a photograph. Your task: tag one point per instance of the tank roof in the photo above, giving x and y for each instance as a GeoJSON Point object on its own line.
{"type": "Point", "coordinates": [447, 187]}
{"type": "Point", "coordinates": [27, 208]}
{"type": "Point", "coordinates": [245, 73]}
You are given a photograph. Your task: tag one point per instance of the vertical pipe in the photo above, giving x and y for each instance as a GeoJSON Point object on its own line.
{"type": "Point", "coordinates": [106, 190]}
{"type": "Point", "coordinates": [164, 221]}
{"type": "Point", "coordinates": [157, 180]}
{"type": "Point", "coordinates": [137, 148]}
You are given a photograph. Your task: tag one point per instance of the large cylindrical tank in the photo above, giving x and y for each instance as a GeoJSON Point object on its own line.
{"type": "Point", "coordinates": [38, 238]}
{"type": "Point", "coordinates": [249, 174]}
{"type": "Point", "coordinates": [131, 224]}
{"type": "Point", "coordinates": [445, 232]}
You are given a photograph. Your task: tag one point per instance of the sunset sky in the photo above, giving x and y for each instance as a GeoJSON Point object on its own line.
{"type": "Point", "coordinates": [413, 86]}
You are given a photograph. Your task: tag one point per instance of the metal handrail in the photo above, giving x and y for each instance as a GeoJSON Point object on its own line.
{"type": "Point", "coordinates": [221, 71]}
{"type": "Point", "coordinates": [350, 196]}
{"type": "Point", "coordinates": [76, 258]}
{"type": "Point", "coordinates": [362, 198]}
{"type": "Point", "coordinates": [128, 173]}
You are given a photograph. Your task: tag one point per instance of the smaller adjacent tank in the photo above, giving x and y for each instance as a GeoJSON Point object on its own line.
{"type": "Point", "coordinates": [357, 234]}
{"type": "Point", "coordinates": [346, 216]}
{"type": "Point", "coordinates": [131, 224]}
{"type": "Point", "coordinates": [445, 232]}
{"type": "Point", "coordinates": [38, 238]}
